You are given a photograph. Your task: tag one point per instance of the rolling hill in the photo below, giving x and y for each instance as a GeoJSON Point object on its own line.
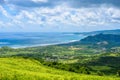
{"type": "Point", "coordinates": [29, 69]}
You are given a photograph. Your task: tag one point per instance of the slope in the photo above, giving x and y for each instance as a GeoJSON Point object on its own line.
{"type": "Point", "coordinates": [26, 69]}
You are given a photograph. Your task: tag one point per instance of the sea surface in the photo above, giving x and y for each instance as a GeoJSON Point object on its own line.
{"type": "Point", "coordinates": [32, 39]}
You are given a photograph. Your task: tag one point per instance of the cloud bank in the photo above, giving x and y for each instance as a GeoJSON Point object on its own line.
{"type": "Point", "coordinates": [62, 15]}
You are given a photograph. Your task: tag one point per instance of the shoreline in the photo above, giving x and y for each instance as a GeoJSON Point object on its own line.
{"type": "Point", "coordinates": [42, 45]}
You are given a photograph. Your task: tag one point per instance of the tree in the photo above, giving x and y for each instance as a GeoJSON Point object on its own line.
{"type": "Point", "coordinates": [100, 73]}
{"type": "Point", "coordinates": [5, 49]}
{"type": "Point", "coordinates": [118, 73]}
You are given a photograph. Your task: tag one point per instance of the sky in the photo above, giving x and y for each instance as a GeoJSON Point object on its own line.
{"type": "Point", "coordinates": [59, 15]}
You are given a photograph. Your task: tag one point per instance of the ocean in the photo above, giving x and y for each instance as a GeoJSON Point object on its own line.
{"type": "Point", "coordinates": [32, 39]}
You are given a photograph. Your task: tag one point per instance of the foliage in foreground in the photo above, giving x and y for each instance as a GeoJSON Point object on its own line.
{"type": "Point", "coordinates": [26, 69]}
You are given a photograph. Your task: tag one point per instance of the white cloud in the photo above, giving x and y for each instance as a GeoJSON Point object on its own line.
{"type": "Point", "coordinates": [4, 12]}
{"type": "Point", "coordinates": [1, 23]}
{"type": "Point", "coordinates": [38, 1]}
{"type": "Point", "coordinates": [64, 16]}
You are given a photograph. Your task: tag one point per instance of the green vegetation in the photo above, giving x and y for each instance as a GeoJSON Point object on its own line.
{"type": "Point", "coordinates": [29, 69]}
{"type": "Point", "coordinates": [92, 58]}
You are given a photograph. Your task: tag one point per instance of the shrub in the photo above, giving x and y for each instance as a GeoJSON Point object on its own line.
{"type": "Point", "coordinates": [118, 73]}
{"type": "Point", "coordinates": [100, 73]}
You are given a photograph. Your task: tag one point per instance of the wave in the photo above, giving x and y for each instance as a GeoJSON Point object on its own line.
{"type": "Point", "coordinates": [39, 45]}
{"type": "Point", "coordinates": [69, 34]}
{"type": "Point", "coordinates": [3, 43]}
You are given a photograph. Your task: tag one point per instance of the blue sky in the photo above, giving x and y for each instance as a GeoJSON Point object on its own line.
{"type": "Point", "coordinates": [59, 15]}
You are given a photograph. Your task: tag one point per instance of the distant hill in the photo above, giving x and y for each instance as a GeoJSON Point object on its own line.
{"type": "Point", "coordinates": [110, 38]}
{"type": "Point", "coordinates": [103, 40]}
{"type": "Point", "coordinates": [117, 31]}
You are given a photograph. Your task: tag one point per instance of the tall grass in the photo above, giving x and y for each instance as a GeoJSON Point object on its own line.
{"type": "Point", "coordinates": [26, 69]}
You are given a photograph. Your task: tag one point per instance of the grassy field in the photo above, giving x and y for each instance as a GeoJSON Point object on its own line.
{"type": "Point", "coordinates": [29, 69]}
{"type": "Point", "coordinates": [73, 59]}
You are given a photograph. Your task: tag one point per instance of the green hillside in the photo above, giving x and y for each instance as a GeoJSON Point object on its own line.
{"type": "Point", "coordinates": [26, 69]}
{"type": "Point", "coordinates": [93, 58]}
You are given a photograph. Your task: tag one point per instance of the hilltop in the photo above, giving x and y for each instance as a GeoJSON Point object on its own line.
{"type": "Point", "coordinates": [116, 31]}
{"type": "Point", "coordinates": [105, 39]}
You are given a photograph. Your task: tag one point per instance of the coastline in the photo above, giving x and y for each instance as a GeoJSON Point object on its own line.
{"type": "Point", "coordinates": [41, 45]}
{"type": "Point", "coordinates": [37, 40]}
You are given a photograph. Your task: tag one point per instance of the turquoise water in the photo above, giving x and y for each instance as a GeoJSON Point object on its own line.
{"type": "Point", "coordinates": [17, 40]}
